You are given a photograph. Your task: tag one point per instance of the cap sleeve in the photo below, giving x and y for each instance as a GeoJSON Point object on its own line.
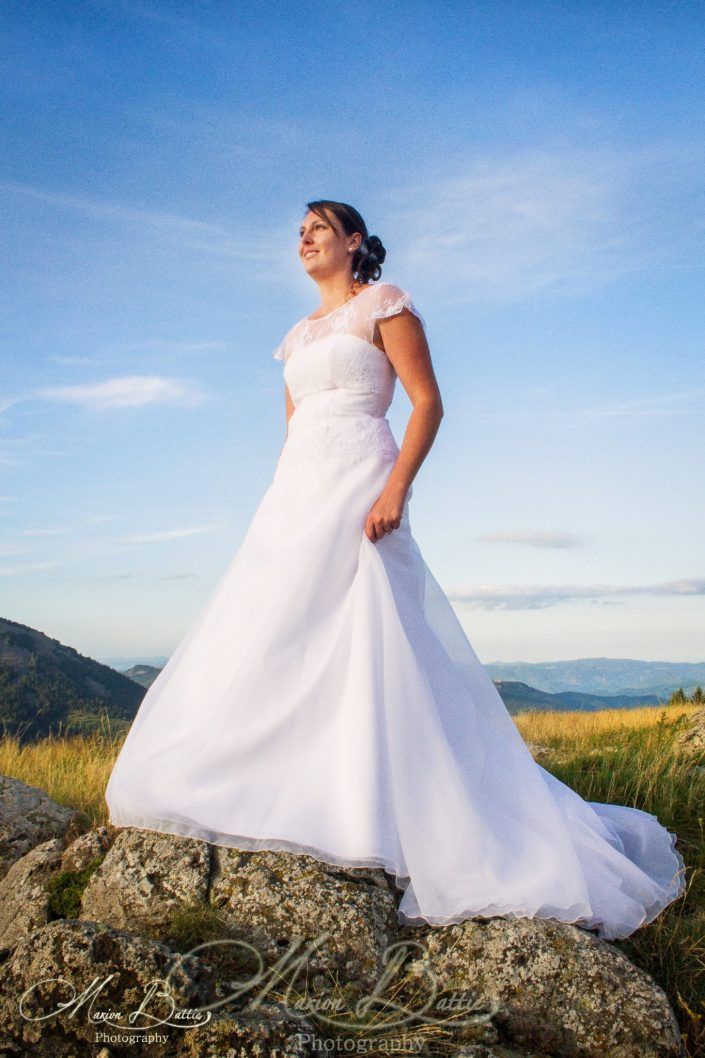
{"type": "Point", "coordinates": [389, 300]}
{"type": "Point", "coordinates": [281, 351]}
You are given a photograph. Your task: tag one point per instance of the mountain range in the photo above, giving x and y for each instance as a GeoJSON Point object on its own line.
{"type": "Point", "coordinates": [47, 687]}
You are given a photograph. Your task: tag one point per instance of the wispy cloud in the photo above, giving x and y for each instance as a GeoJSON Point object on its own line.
{"type": "Point", "coordinates": [73, 361]}
{"type": "Point", "coordinates": [9, 402]}
{"type": "Point", "coordinates": [8, 552]}
{"type": "Point", "coordinates": [212, 238]}
{"type": "Point", "coordinates": [173, 347]}
{"type": "Point", "coordinates": [541, 596]}
{"type": "Point", "coordinates": [13, 571]}
{"type": "Point", "coordinates": [9, 460]}
{"type": "Point", "coordinates": [14, 450]}
{"type": "Point", "coordinates": [130, 575]}
{"type": "Point", "coordinates": [129, 391]}
{"type": "Point", "coordinates": [57, 530]}
{"type": "Point", "coordinates": [535, 538]}
{"type": "Point", "coordinates": [167, 534]}
{"type": "Point", "coordinates": [504, 228]}
{"type": "Point", "coordinates": [677, 403]}
{"type": "Point", "coordinates": [159, 350]}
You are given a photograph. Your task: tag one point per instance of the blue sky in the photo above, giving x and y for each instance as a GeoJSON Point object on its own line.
{"type": "Point", "coordinates": [535, 172]}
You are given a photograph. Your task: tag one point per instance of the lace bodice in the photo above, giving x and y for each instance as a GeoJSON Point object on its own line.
{"type": "Point", "coordinates": [340, 382]}
{"type": "Point", "coordinates": [357, 316]}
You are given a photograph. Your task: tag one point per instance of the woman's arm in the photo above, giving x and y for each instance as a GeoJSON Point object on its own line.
{"type": "Point", "coordinates": [289, 407]}
{"type": "Point", "coordinates": [407, 349]}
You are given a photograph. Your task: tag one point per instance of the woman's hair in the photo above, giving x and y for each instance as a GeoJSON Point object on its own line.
{"type": "Point", "coordinates": [368, 259]}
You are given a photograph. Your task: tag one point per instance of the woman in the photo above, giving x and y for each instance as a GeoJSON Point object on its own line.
{"type": "Point", "coordinates": [326, 699]}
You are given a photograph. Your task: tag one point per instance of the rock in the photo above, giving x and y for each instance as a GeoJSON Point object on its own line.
{"type": "Point", "coordinates": [24, 898]}
{"type": "Point", "coordinates": [143, 878]}
{"type": "Point", "coordinates": [556, 989]}
{"type": "Point", "coordinates": [47, 883]}
{"type": "Point", "coordinates": [28, 817]}
{"type": "Point", "coordinates": [281, 901]}
{"type": "Point", "coordinates": [271, 1031]}
{"type": "Point", "coordinates": [559, 988]}
{"type": "Point", "coordinates": [693, 738]}
{"type": "Point", "coordinates": [493, 1051]}
{"type": "Point", "coordinates": [538, 752]}
{"type": "Point", "coordinates": [58, 962]}
{"type": "Point", "coordinates": [86, 848]}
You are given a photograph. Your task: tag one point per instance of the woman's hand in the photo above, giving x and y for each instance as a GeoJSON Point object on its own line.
{"type": "Point", "coordinates": [385, 515]}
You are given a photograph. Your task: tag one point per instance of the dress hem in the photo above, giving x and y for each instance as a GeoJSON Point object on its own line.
{"type": "Point", "coordinates": [582, 920]}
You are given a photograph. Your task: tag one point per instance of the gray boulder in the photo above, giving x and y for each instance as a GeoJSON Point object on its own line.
{"type": "Point", "coordinates": [143, 878]}
{"type": "Point", "coordinates": [270, 1031]}
{"type": "Point", "coordinates": [692, 740]}
{"type": "Point", "coordinates": [86, 848]}
{"type": "Point", "coordinates": [342, 919]}
{"type": "Point", "coordinates": [559, 988]}
{"type": "Point", "coordinates": [272, 901]}
{"type": "Point", "coordinates": [24, 898]}
{"type": "Point", "coordinates": [28, 817]}
{"type": "Point", "coordinates": [57, 963]}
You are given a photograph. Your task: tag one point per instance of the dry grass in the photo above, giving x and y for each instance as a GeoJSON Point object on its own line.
{"type": "Point", "coordinates": [73, 770]}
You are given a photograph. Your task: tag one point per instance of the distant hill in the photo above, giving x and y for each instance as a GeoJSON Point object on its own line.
{"type": "Point", "coordinates": [517, 696]}
{"type": "Point", "coordinates": [145, 675]}
{"type": "Point", "coordinates": [520, 697]}
{"type": "Point", "coordinates": [608, 676]}
{"type": "Point", "coordinates": [602, 676]}
{"type": "Point", "coordinates": [46, 686]}
{"type": "Point", "coordinates": [122, 663]}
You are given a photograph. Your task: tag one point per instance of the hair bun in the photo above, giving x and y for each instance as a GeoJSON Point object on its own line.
{"type": "Point", "coordinates": [372, 254]}
{"type": "Point", "coordinates": [375, 249]}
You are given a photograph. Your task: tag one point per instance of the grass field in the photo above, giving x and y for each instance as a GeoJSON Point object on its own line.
{"type": "Point", "coordinates": [622, 756]}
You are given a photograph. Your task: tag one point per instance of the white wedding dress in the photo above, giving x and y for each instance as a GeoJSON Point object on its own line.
{"type": "Point", "coordinates": [326, 699]}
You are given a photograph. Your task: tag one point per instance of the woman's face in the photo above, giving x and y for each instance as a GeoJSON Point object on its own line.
{"type": "Point", "coordinates": [323, 248]}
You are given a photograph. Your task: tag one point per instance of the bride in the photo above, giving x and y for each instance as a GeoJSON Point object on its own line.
{"type": "Point", "coordinates": [326, 699]}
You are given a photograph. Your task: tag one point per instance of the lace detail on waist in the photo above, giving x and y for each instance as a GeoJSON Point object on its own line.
{"type": "Point", "coordinates": [348, 438]}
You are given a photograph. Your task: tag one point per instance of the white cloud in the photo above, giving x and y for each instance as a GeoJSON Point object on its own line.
{"type": "Point", "coordinates": [13, 571]}
{"type": "Point", "coordinates": [48, 531]}
{"type": "Point", "coordinates": [73, 361]}
{"type": "Point", "coordinates": [167, 534]}
{"type": "Point", "coordinates": [541, 596]}
{"type": "Point", "coordinates": [180, 348]}
{"type": "Point", "coordinates": [129, 391]}
{"type": "Point", "coordinates": [8, 402]}
{"type": "Point", "coordinates": [535, 538]}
